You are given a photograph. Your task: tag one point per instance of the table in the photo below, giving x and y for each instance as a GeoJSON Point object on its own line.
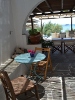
{"type": "Point", "coordinates": [27, 59]}
{"type": "Point", "coordinates": [66, 43]}
{"type": "Point", "coordinates": [59, 43]}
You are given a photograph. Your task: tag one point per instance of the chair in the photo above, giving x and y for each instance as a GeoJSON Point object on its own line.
{"type": "Point", "coordinates": [16, 86]}
{"type": "Point", "coordinates": [71, 34]}
{"type": "Point", "coordinates": [69, 45]}
{"type": "Point", "coordinates": [57, 46]}
{"type": "Point", "coordinates": [43, 65]}
{"type": "Point", "coordinates": [62, 34]}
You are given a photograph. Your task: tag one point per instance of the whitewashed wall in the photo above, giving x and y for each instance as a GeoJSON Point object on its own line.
{"type": "Point", "coordinates": [13, 16]}
{"type": "Point", "coordinates": [21, 10]}
{"type": "Point", "coordinates": [7, 40]}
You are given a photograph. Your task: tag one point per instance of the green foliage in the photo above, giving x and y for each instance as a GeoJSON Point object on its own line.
{"type": "Point", "coordinates": [33, 31]}
{"type": "Point", "coordinates": [39, 29]}
{"type": "Point", "coordinates": [47, 29]}
{"type": "Point", "coordinates": [48, 33]}
{"type": "Point", "coordinates": [46, 43]}
{"type": "Point", "coordinates": [51, 28]}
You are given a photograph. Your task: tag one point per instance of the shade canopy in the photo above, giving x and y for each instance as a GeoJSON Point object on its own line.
{"type": "Point", "coordinates": [55, 9]}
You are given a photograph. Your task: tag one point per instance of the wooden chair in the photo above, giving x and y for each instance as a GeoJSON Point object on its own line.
{"type": "Point", "coordinates": [57, 46]}
{"type": "Point", "coordinates": [43, 65]}
{"type": "Point", "coordinates": [17, 86]}
{"type": "Point", "coordinates": [69, 45]}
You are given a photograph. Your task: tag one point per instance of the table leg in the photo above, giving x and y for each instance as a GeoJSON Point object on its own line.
{"type": "Point", "coordinates": [34, 73]}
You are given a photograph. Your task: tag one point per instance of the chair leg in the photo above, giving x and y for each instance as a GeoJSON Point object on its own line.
{"type": "Point", "coordinates": [50, 64]}
{"type": "Point", "coordinates": [7, 98]}
{"type": "Point", "coordinates": [31, 70]}
{"type": "Point", "coordinates": [36, 92]}
{"type": "Point", "coordinates": [45, 74]}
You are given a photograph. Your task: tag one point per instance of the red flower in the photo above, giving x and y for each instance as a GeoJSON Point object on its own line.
{"type": "Point", "coordinates": [31, 51]}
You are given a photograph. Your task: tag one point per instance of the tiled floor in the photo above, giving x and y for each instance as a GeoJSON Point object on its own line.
{"type": "Point", "coordinates": [59, 85]}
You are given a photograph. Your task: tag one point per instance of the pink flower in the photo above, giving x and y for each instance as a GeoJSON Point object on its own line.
{"type": "Point", "coordinates": [31, 51]}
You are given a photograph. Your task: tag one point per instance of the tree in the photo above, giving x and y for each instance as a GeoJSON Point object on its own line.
{"type": "Point", "coordinates": [51, 28]}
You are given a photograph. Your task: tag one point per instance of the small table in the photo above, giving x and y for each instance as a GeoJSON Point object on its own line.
{"type": "Point", "coordinates": [27, 59]}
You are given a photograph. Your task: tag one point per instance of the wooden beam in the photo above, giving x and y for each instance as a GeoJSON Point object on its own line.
{"type": "Point", "coordinates": [73, 7]}
{"type": "Point", "coordinates": [61, 4]}
{"type": "Point", "coordinates": [32, 23]}
{"type": "Point", "coordinates": [52, 13]}
{"type": "Point", "coordinates": [49, 6]}
{"type": "Point", "coordinates": [71, 23]}
{"type": "Point", "coordinates": [39, 9]}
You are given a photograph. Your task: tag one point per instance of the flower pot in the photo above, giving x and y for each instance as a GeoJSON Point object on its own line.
{"type": "Point", "coordinates": [35, 39]}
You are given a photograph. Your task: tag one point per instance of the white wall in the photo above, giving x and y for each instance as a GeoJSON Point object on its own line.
{"type": "Point", "coordinates": [13, 16]}
{"type": "Point", "coordinates": [7, 41]}
{"type": "Point", "coordinates": [21, 10]}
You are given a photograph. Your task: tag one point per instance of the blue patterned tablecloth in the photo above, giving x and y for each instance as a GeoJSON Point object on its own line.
{"type": "Point", "coordinates": [26, 58]}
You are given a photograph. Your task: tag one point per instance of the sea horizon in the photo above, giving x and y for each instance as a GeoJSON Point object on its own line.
{"type": "Point", "coordinates": [67, 27]}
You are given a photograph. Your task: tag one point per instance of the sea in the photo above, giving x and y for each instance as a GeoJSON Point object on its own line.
{"type": "Point", "coordinates": [67, 27]}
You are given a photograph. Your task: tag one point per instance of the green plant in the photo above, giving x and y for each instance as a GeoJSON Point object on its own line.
{"type": "Point", "coordinates": [33, 31]}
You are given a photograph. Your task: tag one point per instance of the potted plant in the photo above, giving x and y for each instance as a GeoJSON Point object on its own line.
{"type": "Point", "coordinates": [34, 36]}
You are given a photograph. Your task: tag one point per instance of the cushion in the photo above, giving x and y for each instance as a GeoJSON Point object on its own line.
{"type": "Point", "coordinates": [18, 51]}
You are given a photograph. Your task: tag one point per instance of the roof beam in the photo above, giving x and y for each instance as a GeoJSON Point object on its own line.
{"type": "Point", "coordinates": [48, 5]}
{"type": "Point", "coordinates": [52, 13]}
{"type": "Point", "coordinates": [61, 4]}
{"type": "Point", "coordinates": [73, 7]}
{"type": "Point", "coordinates": [39, 9]}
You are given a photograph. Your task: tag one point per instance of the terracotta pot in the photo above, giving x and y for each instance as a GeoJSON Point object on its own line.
{"type": "Point", "coordinates": [35, 39]}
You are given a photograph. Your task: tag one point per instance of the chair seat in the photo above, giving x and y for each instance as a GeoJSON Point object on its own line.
{"type": "Point", "coordinates": [17, 86]}
{"type": "Point", "coordinates": [42, 63]}
{"type": "Point", "coordinates": [21, 84]}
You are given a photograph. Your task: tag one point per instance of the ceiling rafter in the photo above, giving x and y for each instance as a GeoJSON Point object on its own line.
{"type": "Point", "coordinates": [48, 5]}
{"type": "Point", "coordinates": [73, 7]}
{"type": "Point", "coordinates": [52, 13]}
{"type": "Point", "coordinates": [61, 4]}
{"type": "Point", "coordinates": [39, 9]}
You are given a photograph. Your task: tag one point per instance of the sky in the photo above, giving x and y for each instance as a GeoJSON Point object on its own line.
{"type": "Point", "coordinates": [60, 21]}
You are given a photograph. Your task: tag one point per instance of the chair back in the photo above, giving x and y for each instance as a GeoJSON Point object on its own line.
{"type": "Point", "coordinates": [57, 43]}
{"type": "Point", "coordinates": [71, 34]}
{"type": "Point", "coordinates": [62, 34]}
{"type": "Point", "coordinates": [7, 86]}
{"type": "Point", "coordinates": [44, 50]}
{"type": "Point", "coordinates": [69, 43]}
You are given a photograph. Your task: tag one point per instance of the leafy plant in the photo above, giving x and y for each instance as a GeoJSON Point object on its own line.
{"type": "Point", "coordinates": [51, 28]}
{"type": "Point", "coordinates": [33, 31]}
